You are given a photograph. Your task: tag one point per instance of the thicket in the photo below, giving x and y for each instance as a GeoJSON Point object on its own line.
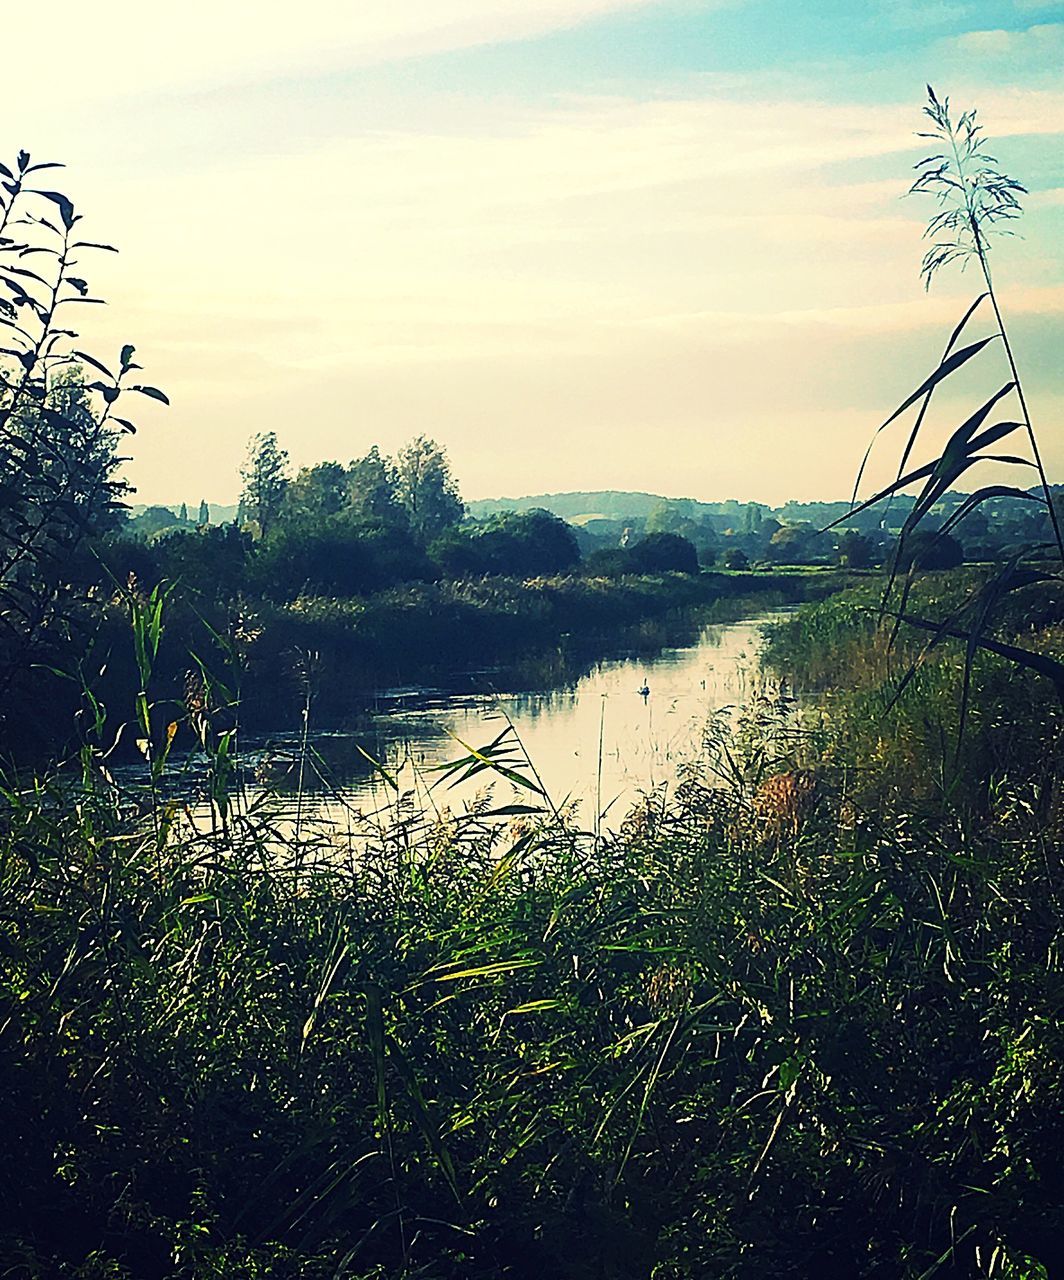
{"type": "Point", "coordinates": [799, 1018]}
{"type": "Point", "coordinates": [769, 1029]}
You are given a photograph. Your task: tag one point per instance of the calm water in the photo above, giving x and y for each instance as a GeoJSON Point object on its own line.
{"type": "Point", "coordinates": [644, 737]}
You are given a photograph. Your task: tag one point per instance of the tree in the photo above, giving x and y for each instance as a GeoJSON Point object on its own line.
{"type": "Point", "coordinates": [204, 512]}
{"type": "Point", "coordinates": [663, 553]}
{"type": "Point", "coordinates": [154, 520]}
{"type": "Point", "coordinates": [265, 476]}
{"type": "Point", "coordinates": [512, 543]}
{"type": "Point", "coordinates": [539, 542]}
{"type": "Point", "coordinates": [608, 562]}
{"type": "Point", "coordinates": [426, 489]}
{"type": "Point", "coordinates": [182, 515]}
{"type": "Point", "coordinates": [372, 486]}
{"type": "Point", "coordinates": [854, 550]}
{"type": "Point", "coordinates": [736, 558]}
{"type": "Point", "coordinates": [794, 543]}
{"type": "Point", "coordinates": [211, 561]}
{"type": "Point", "coordinates": [316, 493]}
{"type": "Point", "coordinates": [58, 432]}
{"type": "Point", "coordinates": [753, 514]}
{"type": "Point", "coordinates": [339, 557]}
{"type": "Point", "coordinates": [924, 549]}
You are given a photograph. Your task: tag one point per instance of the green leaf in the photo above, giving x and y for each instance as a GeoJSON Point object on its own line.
{"type": "Point", "coordinates": [87, 359]}
{"type": "Point", "coordinates": [948, 366]}
{"type": "Point", "coordinates": [153, 392]}
{"type": "Point", "coordinates": [66, 208]}
{"type": "Point", "coordinates": [484, 970]}
{"type": "Point", "coordinates": [534, 1006]}
{"type": "Point", "coordinates": [378, 766]}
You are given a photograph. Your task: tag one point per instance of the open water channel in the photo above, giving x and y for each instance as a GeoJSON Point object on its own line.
{"type": "Point", "coordinates": [621, 730]}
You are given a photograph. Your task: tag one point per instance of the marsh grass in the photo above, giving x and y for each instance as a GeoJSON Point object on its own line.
{"type": "Point", "coordinates": [488, 1042]}
{"type": "Point", "coordinates": [798, 1018]}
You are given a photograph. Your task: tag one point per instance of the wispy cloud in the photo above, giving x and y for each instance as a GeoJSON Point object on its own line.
{"type": "Point", "coordinates": [120, 47]}
{"type": "Point", "coordinates": [1042, 41]}
{"type": "Point", "coordinates": [696, 262]}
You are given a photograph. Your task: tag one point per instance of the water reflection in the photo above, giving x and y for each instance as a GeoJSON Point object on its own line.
{"type": "Point", "coordinates": [596, 746]}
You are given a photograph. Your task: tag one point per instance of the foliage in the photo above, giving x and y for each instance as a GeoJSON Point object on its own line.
{"type": "Point", "coordinates": [58, 431]}
{"type": "Point", "coordinates": [796, 544]}
{"type": "Point", "coordinates": [521, 544]}
{"type": "Point", "coordinates": [153, 519]}
{"type": "Point", "coordinates": [798, 1018]}
{"type": "Point", "coordinates": [854, 550]}
{"type": "Point", "coordinates": [974, 197]}
{"type": "Point", "coordinates": [316, 493]}
{"type": "Point", "coordinates": [927, 550]}
{"type": "Point", "coordinates": [663, 553]}
{"type": "Point", "coordinates": [337, 556]}
{"type": "Point", "coordinates": [748, 1035]}
{"type": "Point", "coordinates": [373, 489]}
{"type": "Point", "coordinates": [426, 490]}
{"type": "Point", "coordinates": [265, 477]}
{"type": "Point", "coordinates": [209, 562]}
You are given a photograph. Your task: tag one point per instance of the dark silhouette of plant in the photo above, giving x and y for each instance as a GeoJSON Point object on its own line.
{"type": "Point", "coordinates": [975, 202]}
{"type": "Point", "coordinates": [265, 476]}
{"type": "Point", "coordinates": [58, 431]}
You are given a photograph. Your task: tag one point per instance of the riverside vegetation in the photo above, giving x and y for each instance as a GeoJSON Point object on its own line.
{"type": "Point", "coordinates": [801, 1018]}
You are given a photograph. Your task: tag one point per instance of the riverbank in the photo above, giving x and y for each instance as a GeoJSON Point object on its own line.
{"type": "Point", "coordinates": [267, 658]}
{"type": "Point", "coordinates": [781, 1024]}
{"type": "Point", "coordinates": [515, 634]}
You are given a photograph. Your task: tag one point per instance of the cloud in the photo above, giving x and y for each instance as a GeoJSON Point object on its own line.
{"type": "Point", "coordinates": [121, 47]}
{"type": "Point", "coordinates": [569, 278]}
{"type": "Point", "coordinates": [921, 15]}
{"type": "Point", "coordinates": [1037, 43]}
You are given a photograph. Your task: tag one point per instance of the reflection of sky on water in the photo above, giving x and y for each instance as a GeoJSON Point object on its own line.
{"type": "Point", "coordinates": [644, 741]}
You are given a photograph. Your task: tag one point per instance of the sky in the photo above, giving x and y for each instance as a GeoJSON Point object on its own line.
{"type": "Point", "coordinates": [584, 244]}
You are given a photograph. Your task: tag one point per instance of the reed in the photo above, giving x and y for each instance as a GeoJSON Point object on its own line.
{"type": "Point", "coordinates": [798, 1018]}
{"type": "Point", "coordinates": [976, 201]}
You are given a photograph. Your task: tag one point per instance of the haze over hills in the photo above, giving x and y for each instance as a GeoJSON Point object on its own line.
{"type": "Point", "coordinates": [585, 507]}
{"type": "Point", "coordinates": [575, 506]}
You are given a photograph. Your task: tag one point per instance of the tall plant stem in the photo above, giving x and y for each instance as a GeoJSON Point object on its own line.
{"type": "Point", "coordinates": [979, 243]}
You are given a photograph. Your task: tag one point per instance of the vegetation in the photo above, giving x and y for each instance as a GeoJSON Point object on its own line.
{"type": "Point", "coordinates": [800, 1017]}
{"type": "Point", "coordinates": [58, 431]}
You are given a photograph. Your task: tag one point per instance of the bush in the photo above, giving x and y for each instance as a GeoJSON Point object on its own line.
{"type": "Point", "coordinates": [663, 553]}
{"type": "Point", "coordinates": [512, 545]}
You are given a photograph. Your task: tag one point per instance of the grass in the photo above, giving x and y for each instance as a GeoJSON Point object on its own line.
{"type": "Point", "coordinates": [734, 1039]}
{"type": "Point", "coordinates": [799, 1018]}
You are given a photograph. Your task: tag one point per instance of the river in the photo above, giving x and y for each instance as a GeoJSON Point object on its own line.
{"type": "Point", "coordinates": [620, 731]}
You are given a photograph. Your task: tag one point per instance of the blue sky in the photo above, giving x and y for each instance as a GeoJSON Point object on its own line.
{"type": "Point", "coordinates": [584, 243]}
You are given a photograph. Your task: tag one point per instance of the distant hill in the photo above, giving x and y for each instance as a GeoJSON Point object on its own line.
{"type": "Point", "coordinates": [609, 504]}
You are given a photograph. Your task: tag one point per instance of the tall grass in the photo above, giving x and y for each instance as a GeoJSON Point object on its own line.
{"type": "Point", "coordinates": [725, 1041]}
{"type": "Point", "coordinates": [799, 1018]}
{"type": "Point", "coordinates": [975, 202]}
